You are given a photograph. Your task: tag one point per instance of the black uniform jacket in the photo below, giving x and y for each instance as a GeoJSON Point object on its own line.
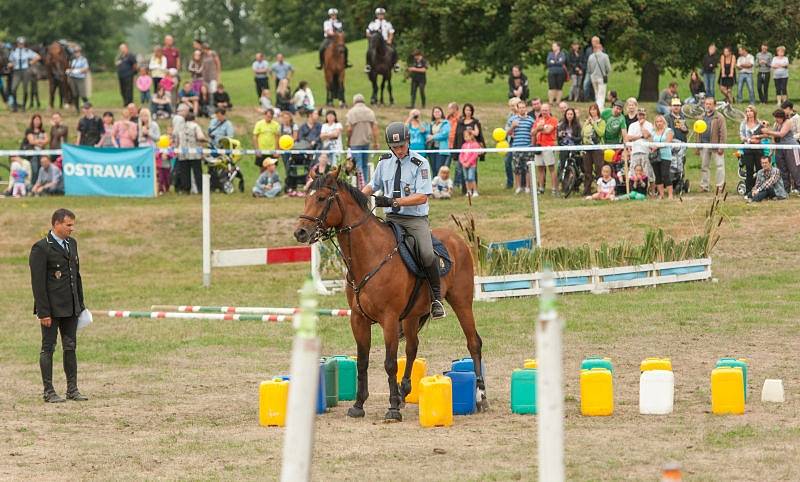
{"type": "Point", "coordinates": [56, 278]}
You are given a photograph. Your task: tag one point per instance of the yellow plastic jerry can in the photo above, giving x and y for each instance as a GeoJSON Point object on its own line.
{"type": "Point", "coordinates": [654, 363]}
{"type": "Point", "coordinates": [436, 401]}
{"type": "Point", "coordinates": [727, 391]}
{"type": "Point", "coordinates": [273, 396]}
{"type": "Point", "coordinates": [597, 392]}
{"type": "Point", "coordinates": [418, 371]}
{"type": "Point", "coordinates": [530, 363]}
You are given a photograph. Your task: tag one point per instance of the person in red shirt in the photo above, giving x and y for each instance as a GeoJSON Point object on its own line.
{"type": "Point", "coordinates": [173, 56]}
{"type": "Point", "coordinates": [544, 134]}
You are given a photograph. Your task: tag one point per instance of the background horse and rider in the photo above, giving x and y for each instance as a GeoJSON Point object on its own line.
{"type": "Point", "coordinates": [57, 57]}
{"type": "Point", "coordinates": [380, 58]}
{"type": "Point", "coordinates": [335, 65]}
{"type": "Point", "coordinates": [381, 289]}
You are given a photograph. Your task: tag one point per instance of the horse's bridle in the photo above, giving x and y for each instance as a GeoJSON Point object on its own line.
{"type": "Point", "coordinates": [321, 232]}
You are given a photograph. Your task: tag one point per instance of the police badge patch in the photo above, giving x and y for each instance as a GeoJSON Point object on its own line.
{"type": "Point", "coordinates": [424, 174]}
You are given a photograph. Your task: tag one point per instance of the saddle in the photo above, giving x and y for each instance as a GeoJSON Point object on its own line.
{"type": "Point", "coordinates": [410, 256]}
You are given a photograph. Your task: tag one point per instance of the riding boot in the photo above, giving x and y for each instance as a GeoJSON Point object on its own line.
{"type": "Point", "coordinates": [71, 371]}
{"type": "Point", "coordinates": [437, 308]}
{"type": "Point", "coordinates": [46, 366]}
{"type": "Point", "coordinates": [347, 63]}
{"type": "Point", "coordinates": [321, 58]}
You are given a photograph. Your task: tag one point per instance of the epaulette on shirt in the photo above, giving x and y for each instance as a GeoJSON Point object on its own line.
{"type": "Point", "coordinates": [417, 162]}
{"type": "Point", "coordinates": [385, 156]}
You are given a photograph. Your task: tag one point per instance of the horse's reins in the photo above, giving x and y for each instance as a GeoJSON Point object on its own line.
{"type": "Point", "coordinates": [322, 233]}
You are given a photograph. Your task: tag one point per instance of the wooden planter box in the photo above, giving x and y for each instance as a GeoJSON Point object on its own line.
{"type": "Point", "coordinates": [602, 279]}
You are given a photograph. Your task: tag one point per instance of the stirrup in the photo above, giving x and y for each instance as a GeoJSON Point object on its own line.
{"type": "Point", "coordinates": [437, 310]}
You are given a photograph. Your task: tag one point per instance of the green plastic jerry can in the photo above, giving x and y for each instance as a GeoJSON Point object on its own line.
{"type": "Point", "coordinates": [523, 391]}
{"type": "Point", "coordinates": [347, 377]}
{"type": "Point", "coordinates": [330, 366]}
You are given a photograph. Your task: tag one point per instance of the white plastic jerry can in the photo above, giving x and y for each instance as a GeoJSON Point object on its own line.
{"type": "Point", "coordinates": [656, 392]}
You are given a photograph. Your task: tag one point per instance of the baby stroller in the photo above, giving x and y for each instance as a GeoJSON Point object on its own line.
{"type": "Point", "coordinates": [298, 166]}
{"type": "Point", "coordinates": [224, 168]}
{"type": "Point", "coordinates": [677, 169]}
{"type": "Point", "coordinates": [741, 187]}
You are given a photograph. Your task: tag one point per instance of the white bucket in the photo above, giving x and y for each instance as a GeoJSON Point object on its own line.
{"type": "Point", "coordinates": [656, 392]}
{"type": "Point", "coordinates": [772, 391]}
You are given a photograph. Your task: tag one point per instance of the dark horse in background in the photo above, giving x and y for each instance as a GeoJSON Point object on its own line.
{"type": "Point", "coordinates": [334, 70]}
{"type": "Point", "coordinates": [380, 61]}
{"type": "Point", "coordinates": [379, 286]}
{"type": "Point", "coordinates": [5, 72]}
{"type": "Point", "coordinates": [56, 63]}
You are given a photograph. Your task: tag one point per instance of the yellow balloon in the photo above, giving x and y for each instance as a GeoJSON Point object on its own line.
{"type": "Point", "coordinates": [502, 145]}
{"type": "Point", "coordinates": [608, 155]}
{"type": "Point", "coordinates": [285, 142]}
{"type": "Point", "coordinates": [700, 126]}
{"type": "Point", "coordinates": [163, 142]}
{"type": "Point", "coordinates": [499, 134]}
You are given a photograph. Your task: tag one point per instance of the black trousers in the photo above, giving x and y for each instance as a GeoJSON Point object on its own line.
{"type": "Point", "coordinates": [261, 84]}
{"type": "Point", "coordinates": [417, 84]}
{"type": "Point", "coordinates": [762, 84]}
{"type": "Point", "coordinates": [68, 327]}
{"type": "Point", "coordinates": [184, 170]}
{"type": "Point", "coordinates": [126, 90]}
{"type": "Point", "coordinates": [752, 162]}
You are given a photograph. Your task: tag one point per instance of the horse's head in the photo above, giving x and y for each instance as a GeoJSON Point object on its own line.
{"type": "Point", "coordinates": [338, 38]}
{"type": "Point", "coordinates": [323, 208]}
{"type": "Point", "coordinates": [330, 203]}
{"type": "Point", "coordinates": [376, 42]}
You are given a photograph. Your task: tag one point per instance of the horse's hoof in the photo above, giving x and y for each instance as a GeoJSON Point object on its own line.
{"type": "Point", "coordinates": [393, 415]}
{"type": "Point", "coordinates": [355, 412]}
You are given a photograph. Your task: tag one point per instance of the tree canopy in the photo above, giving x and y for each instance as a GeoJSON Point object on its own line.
{"type": "Point", "coordinates": [97, 25]}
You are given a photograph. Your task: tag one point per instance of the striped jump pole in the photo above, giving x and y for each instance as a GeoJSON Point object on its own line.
{"type": "Point", "coordinates": [261, 310]}
{"type": "Point", "coordinates": [196, 316]}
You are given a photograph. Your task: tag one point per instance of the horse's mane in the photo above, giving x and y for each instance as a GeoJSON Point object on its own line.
{"type": "Point", "coordinates": [359, 197]}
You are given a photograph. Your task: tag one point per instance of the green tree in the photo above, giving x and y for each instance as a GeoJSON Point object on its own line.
{"type": "Point", "coordinates": [98, 25]}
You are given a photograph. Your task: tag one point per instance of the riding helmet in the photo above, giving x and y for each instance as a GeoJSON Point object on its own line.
{"type": "Point", "coordinates": [380, 11]}
{"type": "Point", "coordinates": [20, 40]}
{"type": "Point", "coordinates": [397, 134]}
{"type": "Point", "coordinates": [333, 11]}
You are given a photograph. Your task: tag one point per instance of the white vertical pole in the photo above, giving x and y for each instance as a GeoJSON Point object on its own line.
{"type": "Point", "coordinates": [371, 168]}
{"type": "Point", "coordinates": [549, 386]}
{"type": "Point", "coordinates": [206, 230]}
{"type": "Point", "coordinates": [298, 441]}
{"type": "Point", "coordinates": [316, 275]}
{"type": "Point", "coordinates": [535, 204]}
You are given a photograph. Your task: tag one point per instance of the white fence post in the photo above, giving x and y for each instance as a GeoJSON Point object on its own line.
{"type": "Point", "coordinates": [549, 386]}
{"type": "Point", "coordinates": [534, 186]}
{"type": "Point", "coordinates": [206, 230]}
{"type": "Point", "coordinates": [298, 441]}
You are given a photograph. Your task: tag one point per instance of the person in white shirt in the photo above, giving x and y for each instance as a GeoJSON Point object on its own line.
{"type": "Point", "coordinates": [261, 74]}
{"type": "Point", "coordinates": [380, 24]}
{"type": "Point", "coordinates": [606, 186]}
{"type": "Point", "coordinates": [331, 135]}
{"type": "Point", "coordinates": [638, 133]}
{"type": "Point", "coordinates": [331, 27]}
{"type": "Point", "coordinates": [744, 64]}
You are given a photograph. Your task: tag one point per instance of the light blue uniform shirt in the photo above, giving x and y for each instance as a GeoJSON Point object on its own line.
{"type": "Point", "coordinates": [21, 58]}
{"type": "Point", "coordinates": [61, 242]}
{"type": "Point", "coordinates": [415, 178]}
{"type": "Point", "coordinates": [281, 70]}
{"type": "Point", "coordinates": [76, 65]}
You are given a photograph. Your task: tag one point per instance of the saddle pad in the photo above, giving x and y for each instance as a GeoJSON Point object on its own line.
{"type": "Point", "coordinates": [408, 254]}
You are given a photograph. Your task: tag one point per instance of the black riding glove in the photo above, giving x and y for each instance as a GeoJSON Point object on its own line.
{"type": "Point", "coordinates": [383, 202]}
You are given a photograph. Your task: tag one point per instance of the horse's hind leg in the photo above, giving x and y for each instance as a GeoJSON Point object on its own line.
{"type": "Point", "coordinates": [390, 337]}
{"type": "Point", "coordinates": [463, 310]}
{"type": "Point", "coordinates": [362, 332]}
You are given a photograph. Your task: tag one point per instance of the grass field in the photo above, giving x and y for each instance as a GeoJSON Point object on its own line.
{"type": "Point", "coordinates": [177, 399]}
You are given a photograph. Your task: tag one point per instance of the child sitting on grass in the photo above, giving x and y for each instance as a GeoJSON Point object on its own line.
{"type": "Point", "coordinates": [268, 183]}
{"type": "Point", "coordinates": [442, 184]}
{"type": "Point", "coordinates": [637, 185]}
{"type": "Point", "coordinates": [606, 185]}
{"type": "Point", "coordinates": [469, 162]}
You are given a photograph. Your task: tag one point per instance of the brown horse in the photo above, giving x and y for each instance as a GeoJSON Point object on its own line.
{"type": "Point", "coordinates": [334, 70]}
{"type": "Point", "coordinates": [379, 286]}
{"type": "Point", "coordinates": [56, 63]}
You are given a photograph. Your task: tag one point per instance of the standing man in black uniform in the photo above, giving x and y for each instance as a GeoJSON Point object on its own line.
{"type": "Point", "coordinates": [58, 300]}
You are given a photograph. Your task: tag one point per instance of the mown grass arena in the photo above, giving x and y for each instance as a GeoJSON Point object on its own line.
{"type": "Point", "coordinates": [178, 397]}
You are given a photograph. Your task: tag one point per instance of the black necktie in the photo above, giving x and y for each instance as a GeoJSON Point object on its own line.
{"type": "Point", "coordinates": [396, 189]}
{"type": "Point", "coordinates": [66, 247]}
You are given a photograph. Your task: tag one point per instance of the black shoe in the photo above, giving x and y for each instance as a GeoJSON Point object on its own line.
{"type": "Point", "coordinates": [52, 397]}
{"type": "Point", "coordinates": [437, 310]}
{"type": "Point", "coordinates": [367, 69]}
{"type": "Point", "coordinates": [396, 68]}
{"type": "Point", "coordinates": [76, 396]}
{"type": "Point", "coordinates": [348, 65]}
{"type": "Point", "coordinates": [319, 67]}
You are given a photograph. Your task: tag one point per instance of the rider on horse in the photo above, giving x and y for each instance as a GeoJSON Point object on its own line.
{"type": "Point", "coordinates": [407, 176]}
{"type": "Point", "coordinates": [331, 27]}
{"type": "Point", "coordinates": [380, 24]}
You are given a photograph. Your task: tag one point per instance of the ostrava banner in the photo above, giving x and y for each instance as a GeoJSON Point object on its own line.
{"type": "Point", "coordinates": [106, 171]}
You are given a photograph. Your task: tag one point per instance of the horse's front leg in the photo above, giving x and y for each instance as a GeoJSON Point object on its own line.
{"type": "Point", "coordinates": [410, 328]}
{"type": "Point", "coordinates": [362, 332]}
{"type": "Point", "coordinates": [389, 86]}
{"type": "Point", "coordinates": [391, 333]}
